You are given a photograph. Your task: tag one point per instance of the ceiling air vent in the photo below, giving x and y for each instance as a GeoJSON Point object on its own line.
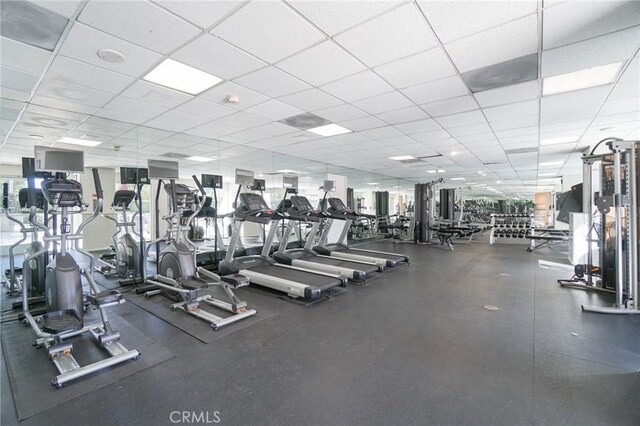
{"type": "Point", "coordinates": [521, 151]}
{"type": "Point", "coordinates": [503, 74]}
{"type": "Point", "coordinates": [305, 121]}
{"type": "Point", "coordinates": [31, 24]}
{"type": "Point", "coordinates": [175, 155]}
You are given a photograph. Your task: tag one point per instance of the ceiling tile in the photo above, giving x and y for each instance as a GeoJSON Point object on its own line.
{"type": "Point", "coordinates": [276, 129]}
{"type": "Point", "coordinates": [23, 56]}
{"type": "Point", "coordinates": [432, 91]}
{"type": "Point", "coordinates": [322, 64]}
{"type": "Point", "coordinates": [336, 16]}
{"type": "Point", "coordinates": [445, 17]}
{"type": "Point", "coordinates": [176, 121]}
{"type": "Point", "coordinates": [259, 35]}
{"type": "Point", "coordinates": [518, 131]}
{"type": "Point", "coordinates": [138, 108]}
{"type": "Point", "coordinates": [430, 136]}
{"type": "Point", "coordinates": [461, 119]}
{"type": "Point", "coordinates": [17, 80]}
{"type": "Point", "coordinates": [82, 74]}
{"type": "Point", "coordinates": [139, 22]}
{"type": "Point", "coordinates": [311, 99]}
{"type": "Point", "coordinates": [517, 109]}
{"type": "Point", "coordinates": [403, 115]}
{"type": "Point", "coordinates": [509, 41]}
{"type": "Point", "coordinates": [469, 130]}
{"type": "Point", "coordinates": [383, 103]}
{"type": "Point", "coordinates": [201, 13]}
{"type": "Point", "coordinates": [206, 109]}
{"type": "Point", "coordinates": [219, 93]}
{"type": "Point", "coordinates": [574, 21]}
{"type": "Point", "coordinates": [450, 106]}
{"type": "Point", "coordinates": [340, 113]}
{"type": "Point", "coordinates": [398, 33]}
{"type": "Point", "coordinates": [422, 67]}
{"type": "Point", "coordinates": [158, 95]}
{"type": "Point", "coordinates": [363, 123]}
{"type": "Point", "coordinates": [418, 126]}
{"type": "Point", "coordinates": [15, 95]}
{"type": "Point", "coordinates": [508, 94]}
{"type": "Point", "coordinates": [358, 86]}
{"type": "Point", "coordinates": [125, 117]}
{"type": "Point", "coordinates": [604, 50]}
{"type": "Point", "coordinates": [274, 110]}
{"type": "Point", "coordinates": [83, 42]}
{"type": "Point", "coordinates": [62, 104]}
{"type": "Point", "coordinates": [272, 82]}
{"type": "Point", "coordinates": [54, 112]}
{"type": "Point", "coordinates": [209, 53]}
{"type": "Point", "coordinates": [73, 93]}
{"type": "Point", "coordinates": [515, 122]}
{"type": "Point", "coordinates": [381, 133]}
{"type": "Point", "coordinates": [64, 8]}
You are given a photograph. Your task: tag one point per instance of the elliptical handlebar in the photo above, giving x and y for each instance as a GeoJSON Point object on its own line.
{"type": "Point", "coordinates": [98, 184]}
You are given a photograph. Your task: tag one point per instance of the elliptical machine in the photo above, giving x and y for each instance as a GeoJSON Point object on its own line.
{"type": "Point", "coordinates": [178, 277]}
{"type": "Point", "coordinates": [36, 268]}
{"type": "Point", "coordinates": [124, 258]}
{"type": "Point", "coordinates": [64, 317]}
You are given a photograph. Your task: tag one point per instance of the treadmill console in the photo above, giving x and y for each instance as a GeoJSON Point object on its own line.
{"type": "Point", "coordinates": [253, 202]}
{"type": "Point", "coordinates": [123, 198]}
{"type": "Point", "coordinates": [337, 205]}
{"type": "Point", "coordinates": [301, 204]}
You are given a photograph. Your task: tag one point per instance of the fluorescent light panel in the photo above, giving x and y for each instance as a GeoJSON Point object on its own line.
{"type": "Point", "coordinates": [402, 157]}
{"type": "Point", "coordinates": [329, 130]}
{"type": "Point", "coordinates": [457, 178]}
{"type": "Point", "coordinates": [179, 76]}
{"type": "Point", "coordinates": [199, 159]}
{"type": "Point", "coordinates": [590, 77]}
{"type": "Point", "coordinates": [81, 142]}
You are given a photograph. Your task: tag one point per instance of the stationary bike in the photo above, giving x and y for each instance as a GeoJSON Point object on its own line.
{"type": "Point", "coordinates": [124, 258]}
{"type": "Point", "coordinates": [178, 277]}
{"type": "Point", "coordinates": [64, 317]}
{"type": "Point", "coordinates": [36, 268]}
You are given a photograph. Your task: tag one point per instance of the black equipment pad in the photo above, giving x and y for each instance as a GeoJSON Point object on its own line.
{"type": "Point", "coordinates": [160, 307]}
{"type": "Point", "coordinates": [30, 370]}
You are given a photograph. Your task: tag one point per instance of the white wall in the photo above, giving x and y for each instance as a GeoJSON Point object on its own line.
{"type": "Point", "coordinates": [97, 235]}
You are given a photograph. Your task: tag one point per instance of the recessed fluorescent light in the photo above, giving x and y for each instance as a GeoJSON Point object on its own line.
{"type": "Point", "coordinates": [36, 136]}
{"type": "Point", "coordinates": [454, 153]}
{"type": "Point", "coordinates": [402, 157]}
{"type": "Point", "coordinates": [179, 76]}
{"type": "Point", "coordinates": [329, 130]}
{"type": "Point", "coordinates": [554, 141]}
{"type": "Point", "coordinates": [497, 181]}
{"type": "Point", "coordinates": [199, 159]}
{"type": "Point", "coordinates": [431, 171]}
{"type": "Point", "coordinates": [442, 171]}
{"type": "Point", "coordinates": [76, 141]}
{"type": "Point", "coordinates": [457, 178]}
{"type": "Point", "coordinates": [373, 183]}
{"type": "Point", "coordinates": [590, 77]}
{"type": "Point", "coordinates": [551, 163]}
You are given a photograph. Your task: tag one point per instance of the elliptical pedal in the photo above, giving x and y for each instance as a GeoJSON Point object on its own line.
{"type": "Point", "coordinates": [61, 321]}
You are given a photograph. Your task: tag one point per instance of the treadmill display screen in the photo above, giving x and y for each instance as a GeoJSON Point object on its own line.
{"type": "Point", "coordinates": [259, 185]}
{"type": "Point", "coordinates": [301, 204]}
{"type": "Point", "coordinates": [253, 201]}
{"type": "Point", "coordinates": [211, 181]}
{"type": "Point", "coordinates": [337, 204]}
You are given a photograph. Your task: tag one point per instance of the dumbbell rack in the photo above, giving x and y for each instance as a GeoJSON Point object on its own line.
{"type": "Point", "coordinates": [510, 228]}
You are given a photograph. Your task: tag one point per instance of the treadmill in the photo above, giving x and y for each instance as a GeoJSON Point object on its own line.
{"type": "Point", "coordinates": [338, 211]}
{"type": "Point", "coordinates": [299, 209]}
{"type": "Point", "coordinates": [264, 271]}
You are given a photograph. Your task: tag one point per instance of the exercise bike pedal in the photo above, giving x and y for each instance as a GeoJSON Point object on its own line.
{"type": "Point", "coordinates": [61, 321]}
{"type": "Point", "coordinates": [236, 280]}
{"type": "Point", "coordinates": [104, 298]}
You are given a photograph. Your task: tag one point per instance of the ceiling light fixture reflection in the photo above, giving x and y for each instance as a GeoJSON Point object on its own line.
{"type": "Point", "coordinates": [402, 157]}
{"type": "Point", "coordinates": [81, 142]}
{"type": "Point", "coordinates": [329, 130]}
{"type": "Point", "coordinates": [199, 159]}
{"type": "Point", "coordinates": [590, 77]}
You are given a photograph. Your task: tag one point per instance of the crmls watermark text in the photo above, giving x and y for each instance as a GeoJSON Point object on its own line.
{"type": "Point", "coordinates": [195, 417]}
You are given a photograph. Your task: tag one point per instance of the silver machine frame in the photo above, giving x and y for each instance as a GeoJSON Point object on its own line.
{"type": "Point", "coordinates": [176, 232]}
{"type": "Point", "coordinates": [58, 350]}
{"type": "Point", "coordinates": [627, 290]}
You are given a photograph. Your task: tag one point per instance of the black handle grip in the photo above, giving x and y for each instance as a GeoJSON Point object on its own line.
{"type": "Point", "coordinates": [174, 200]}
{"type": "Point", "coordinates": [31, 191]}
{"type": "Point", "coordinates": [195, 178]}
{"type": "Point", "coordinates": [96, 180]}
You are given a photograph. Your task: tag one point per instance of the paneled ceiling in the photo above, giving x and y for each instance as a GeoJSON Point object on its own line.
{"type": "Point", "coordinates": [395, 73]}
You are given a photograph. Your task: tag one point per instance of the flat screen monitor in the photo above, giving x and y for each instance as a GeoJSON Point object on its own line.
{"type": "Point", "coordinates": [134, 176]}
{"type": "Point", "coordinates": [244, 177]}
{"type": "Point", "coordinates": [567, 203]}
{"type": "Point", "coordinates": [58, 160]}
{"type": "Point", "coordinates": [329, 185]}
{"type": "Point", "coordinates": [259, 185]}
{"type": "Point", "coordinates": [290, 182]}
{"type": "Point", "coordinates": [160, 169]}
{"type": "Point", "coordinates": [576, 193]}
{"type": "Point", "coordinates": [211, 181]}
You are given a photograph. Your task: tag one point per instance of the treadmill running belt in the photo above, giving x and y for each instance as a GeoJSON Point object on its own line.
{"type": "Point", "coordinates": [320, 281]}
{"type": "Point", "coordinates": [342, 263]}
{"type": "Point", "coordinates": [394, 257]}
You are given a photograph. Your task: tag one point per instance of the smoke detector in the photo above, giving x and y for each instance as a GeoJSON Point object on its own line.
{"type": "Point", "coordinates": [233, 99]}
{"type": "Point", "coordinates": [116, 148]}
{"type": "Point", "coordinates": [110, 55]}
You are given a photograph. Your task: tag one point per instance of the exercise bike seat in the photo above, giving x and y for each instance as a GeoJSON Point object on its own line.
{"type": "Point", "coordinates": [104, 298]}
{"type": "Point", "coordinates": [236, 280]}
{"type": "Point", "coordinates": [61, 321]}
